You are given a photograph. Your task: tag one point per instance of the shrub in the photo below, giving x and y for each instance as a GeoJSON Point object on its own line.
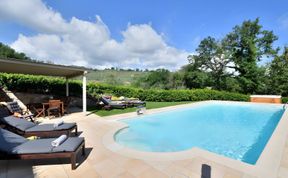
{"type": "Point", "coordinates": [56, 86]}
{"type": "Point", "coordinates": [284, 99]}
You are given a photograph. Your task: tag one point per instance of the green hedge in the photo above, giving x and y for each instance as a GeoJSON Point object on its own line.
{"type": "Point", "coordinates": [39, 84]}
{"type": "Point", "coordinates": [165, 95]}
{"type": "Point", "coordinates": [56, 86]}
{"type": "Point", "coordinates": [285, 100]}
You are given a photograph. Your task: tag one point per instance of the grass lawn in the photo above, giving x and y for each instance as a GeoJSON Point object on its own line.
{"type": "Point", "coordinates": [149, 105]}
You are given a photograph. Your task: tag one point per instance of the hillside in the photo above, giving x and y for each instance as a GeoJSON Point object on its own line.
{"type": "Point", "coordinates": [115, 76]}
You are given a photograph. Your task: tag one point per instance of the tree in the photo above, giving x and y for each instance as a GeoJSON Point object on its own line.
{"type": "Point", "coordinates": [160, 78]}
{"type": "Point", "coordinates": [177, 80]}
{"type": "Point", "coordinates": [212, 57]}
{"type": "Point", "coordinates": [248, 44]}
{"type": "Point", "coordinates": [194, 77]}
{"type": "Point", "coordinates": [278, 72]}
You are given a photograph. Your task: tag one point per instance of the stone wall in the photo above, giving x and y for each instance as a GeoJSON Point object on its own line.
{"type": "Point", "coordinates": [28, 98]}
{"type": "Point", "coordinates": [3, 96]}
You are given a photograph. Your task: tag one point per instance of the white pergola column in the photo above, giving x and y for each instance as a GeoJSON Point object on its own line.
{"type": "Point", "coordinates": [67, 87]}
{"type": "Point", "coordinates": [84, 92]}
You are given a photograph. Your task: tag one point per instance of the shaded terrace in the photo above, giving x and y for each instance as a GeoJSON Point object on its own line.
{"type": "Point", "coordinates": [32, 68]}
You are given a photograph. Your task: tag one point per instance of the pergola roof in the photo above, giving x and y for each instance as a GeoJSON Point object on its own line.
{"type": "Point", "coordinates": [27, 67]}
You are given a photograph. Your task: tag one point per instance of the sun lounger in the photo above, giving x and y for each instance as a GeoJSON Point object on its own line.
{"type": "Point", "coordinates": [13, 146]}
{"type": "Point", "coordinates": [14, 108]}
{"type": "Point", "coordinates": [111, 105]}
{"type": "Point", "coordinates": [27, 129]}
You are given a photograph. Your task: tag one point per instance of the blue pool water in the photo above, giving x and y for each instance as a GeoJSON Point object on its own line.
{"type": "Point", "coordinates": [238, 131]}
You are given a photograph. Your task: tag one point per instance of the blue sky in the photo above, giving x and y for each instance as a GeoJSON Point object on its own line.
{"type": "Point", "coordinates": [183, 22]}
{"type": "Point", "coordinates": [180, 24]}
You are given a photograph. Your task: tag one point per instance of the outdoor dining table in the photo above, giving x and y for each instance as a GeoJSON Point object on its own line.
{"type": "Point", "coordinates": [46, 106]}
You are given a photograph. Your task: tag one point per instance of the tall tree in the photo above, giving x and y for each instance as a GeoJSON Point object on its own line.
{"type": "Point", "coordinates": [279, 74]}
{"type": "Point", "coordinates": [212, 57]}
{"type": "Point", "coordinates": [248, 44]}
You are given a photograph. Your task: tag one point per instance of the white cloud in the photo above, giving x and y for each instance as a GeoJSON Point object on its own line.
{"type": "Point", "coordinates": [33, 13]}
{"type": "Point", "coordinates": [79, 42]}
{"type": "Point", "coordinates": [142, 38]}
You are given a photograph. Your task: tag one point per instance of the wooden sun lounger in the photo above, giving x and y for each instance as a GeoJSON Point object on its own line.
{"type": "Point", "coordinates": [27, 129]}
{"type": "Point", "coordinates": [112, 105]}
{"type": "Point", "coordinates": [7, 153]}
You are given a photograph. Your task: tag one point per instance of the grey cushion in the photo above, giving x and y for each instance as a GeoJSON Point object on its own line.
{"type": "Point", "coordinates": [104, 100]}
{"type": "Point", "coordinates": [21, 124]}
{"type": "Point", "coordinates": [44, 146]}
{"type": "Point", "coordinates": [9, 140]}
{"type": "Point", "coordinates": [4, 112]}
{"type": "Point", "coordinates": [50, 127]}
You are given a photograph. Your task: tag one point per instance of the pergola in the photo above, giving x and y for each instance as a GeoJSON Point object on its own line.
{"type": "Point", "coordinates": [33, 68]}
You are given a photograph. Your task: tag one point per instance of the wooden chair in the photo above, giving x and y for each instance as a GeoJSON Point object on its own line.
{"type": "Point", "coordinates": [54, 107]}
{"type": "Point", "coordinates": [37, 109]}
{"type": "Point", "coordinates": [66, 104]}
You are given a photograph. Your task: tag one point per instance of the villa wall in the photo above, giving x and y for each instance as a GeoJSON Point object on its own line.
{"type": "Point", "coordinates": [266, 99]}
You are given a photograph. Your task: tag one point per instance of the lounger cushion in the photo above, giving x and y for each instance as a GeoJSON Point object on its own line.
{"type": "Point", "coordinates": [21, 124]}
{"type": "Point", "coordinates": [4, 112]}
{"type": "Point", "coordinates": [50, 127]}
{"type": "Point", "coordinates": [104, 100]}
{"type": "Point", "coordinates": [44, 146]}
{"type": "Point", "coordinates": [9, 140]}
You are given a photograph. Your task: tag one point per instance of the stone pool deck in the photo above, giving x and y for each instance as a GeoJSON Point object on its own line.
{"type": "Point", "coordinates": [101, 162]}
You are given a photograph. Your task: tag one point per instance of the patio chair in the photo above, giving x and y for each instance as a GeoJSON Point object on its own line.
{"type": "Point", "coordinates": [54, 107]}
{"type": "Point", "coordinates": [13, 146]}
{"type": "Point", "coordinates": [27, 129]}
{"type": "Point", "coordinates": [17, 110]}
{"type": "Point", "coordinates": [111, 105]}
{"type": "Point", "coordinates": [37, 108]}
{"type": "Point", "coordinates": [66, 101]}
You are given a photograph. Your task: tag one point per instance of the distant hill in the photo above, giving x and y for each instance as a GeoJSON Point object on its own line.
{"type": "Point", "coordinates": [110, 76]}
{"type": "Point", "coordinates": [120, 77]}
{"type": "Point", "coordinates": [7, 52]}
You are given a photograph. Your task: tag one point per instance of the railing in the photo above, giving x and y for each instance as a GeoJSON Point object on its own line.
{"type": "Point", "coordinates": [285, 105]}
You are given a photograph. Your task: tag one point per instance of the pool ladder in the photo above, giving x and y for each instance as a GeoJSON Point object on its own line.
{"type": "Point", "coordinates": [285, 106]}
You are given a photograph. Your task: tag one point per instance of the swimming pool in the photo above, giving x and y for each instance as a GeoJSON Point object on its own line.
{"type": "Point", "coordinates": [235, 130]}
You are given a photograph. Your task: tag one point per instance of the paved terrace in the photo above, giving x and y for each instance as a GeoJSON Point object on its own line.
{"type": "Point", "coordinates": [100, 162]}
